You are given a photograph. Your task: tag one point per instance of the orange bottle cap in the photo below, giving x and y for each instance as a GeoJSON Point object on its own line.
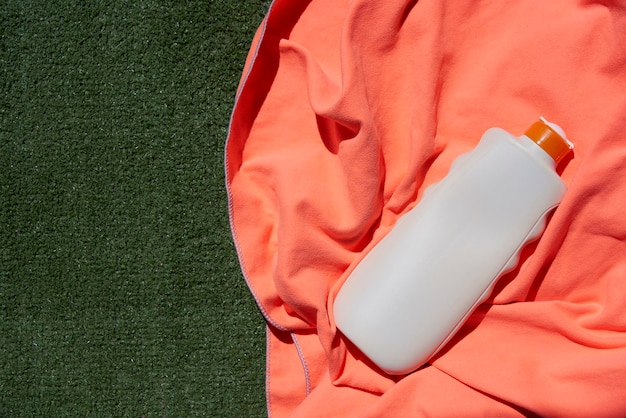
{"type": "Point", "coordinates": [550, 138]}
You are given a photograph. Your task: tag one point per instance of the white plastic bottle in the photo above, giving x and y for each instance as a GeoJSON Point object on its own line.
{"type": "Point", "coordinates": [417, 286]}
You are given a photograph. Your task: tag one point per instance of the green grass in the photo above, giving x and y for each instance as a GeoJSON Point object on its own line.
{"type": "Point", "coordinates": [120, 291]}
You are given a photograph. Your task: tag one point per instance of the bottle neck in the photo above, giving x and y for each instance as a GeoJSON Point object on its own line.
{"type": "Point", "coordinates": [537, 152]}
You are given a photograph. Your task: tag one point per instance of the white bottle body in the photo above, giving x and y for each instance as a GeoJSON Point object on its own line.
{"type": "Point", "coordinates": [417, 286]}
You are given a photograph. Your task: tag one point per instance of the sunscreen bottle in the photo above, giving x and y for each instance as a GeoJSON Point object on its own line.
{"type": "Point", "coordinates": [418, 285]}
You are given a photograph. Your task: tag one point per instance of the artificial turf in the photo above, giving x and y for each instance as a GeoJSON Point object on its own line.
{"type": "Point", "coordinates": [120, 291]}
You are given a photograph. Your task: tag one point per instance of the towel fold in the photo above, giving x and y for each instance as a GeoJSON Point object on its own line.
{"type": "Point", "coordinates": [347, 111]}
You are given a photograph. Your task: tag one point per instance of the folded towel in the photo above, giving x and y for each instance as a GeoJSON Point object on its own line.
{"type": "Point", "coordinates": [347, 111]}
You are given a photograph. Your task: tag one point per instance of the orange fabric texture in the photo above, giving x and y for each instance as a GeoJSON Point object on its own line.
{"type": "Point", "coordinates": [347, 111]}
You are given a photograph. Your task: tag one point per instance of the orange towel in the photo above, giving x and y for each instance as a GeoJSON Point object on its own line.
{"type": "Point", "coordinates": [347, 110]}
